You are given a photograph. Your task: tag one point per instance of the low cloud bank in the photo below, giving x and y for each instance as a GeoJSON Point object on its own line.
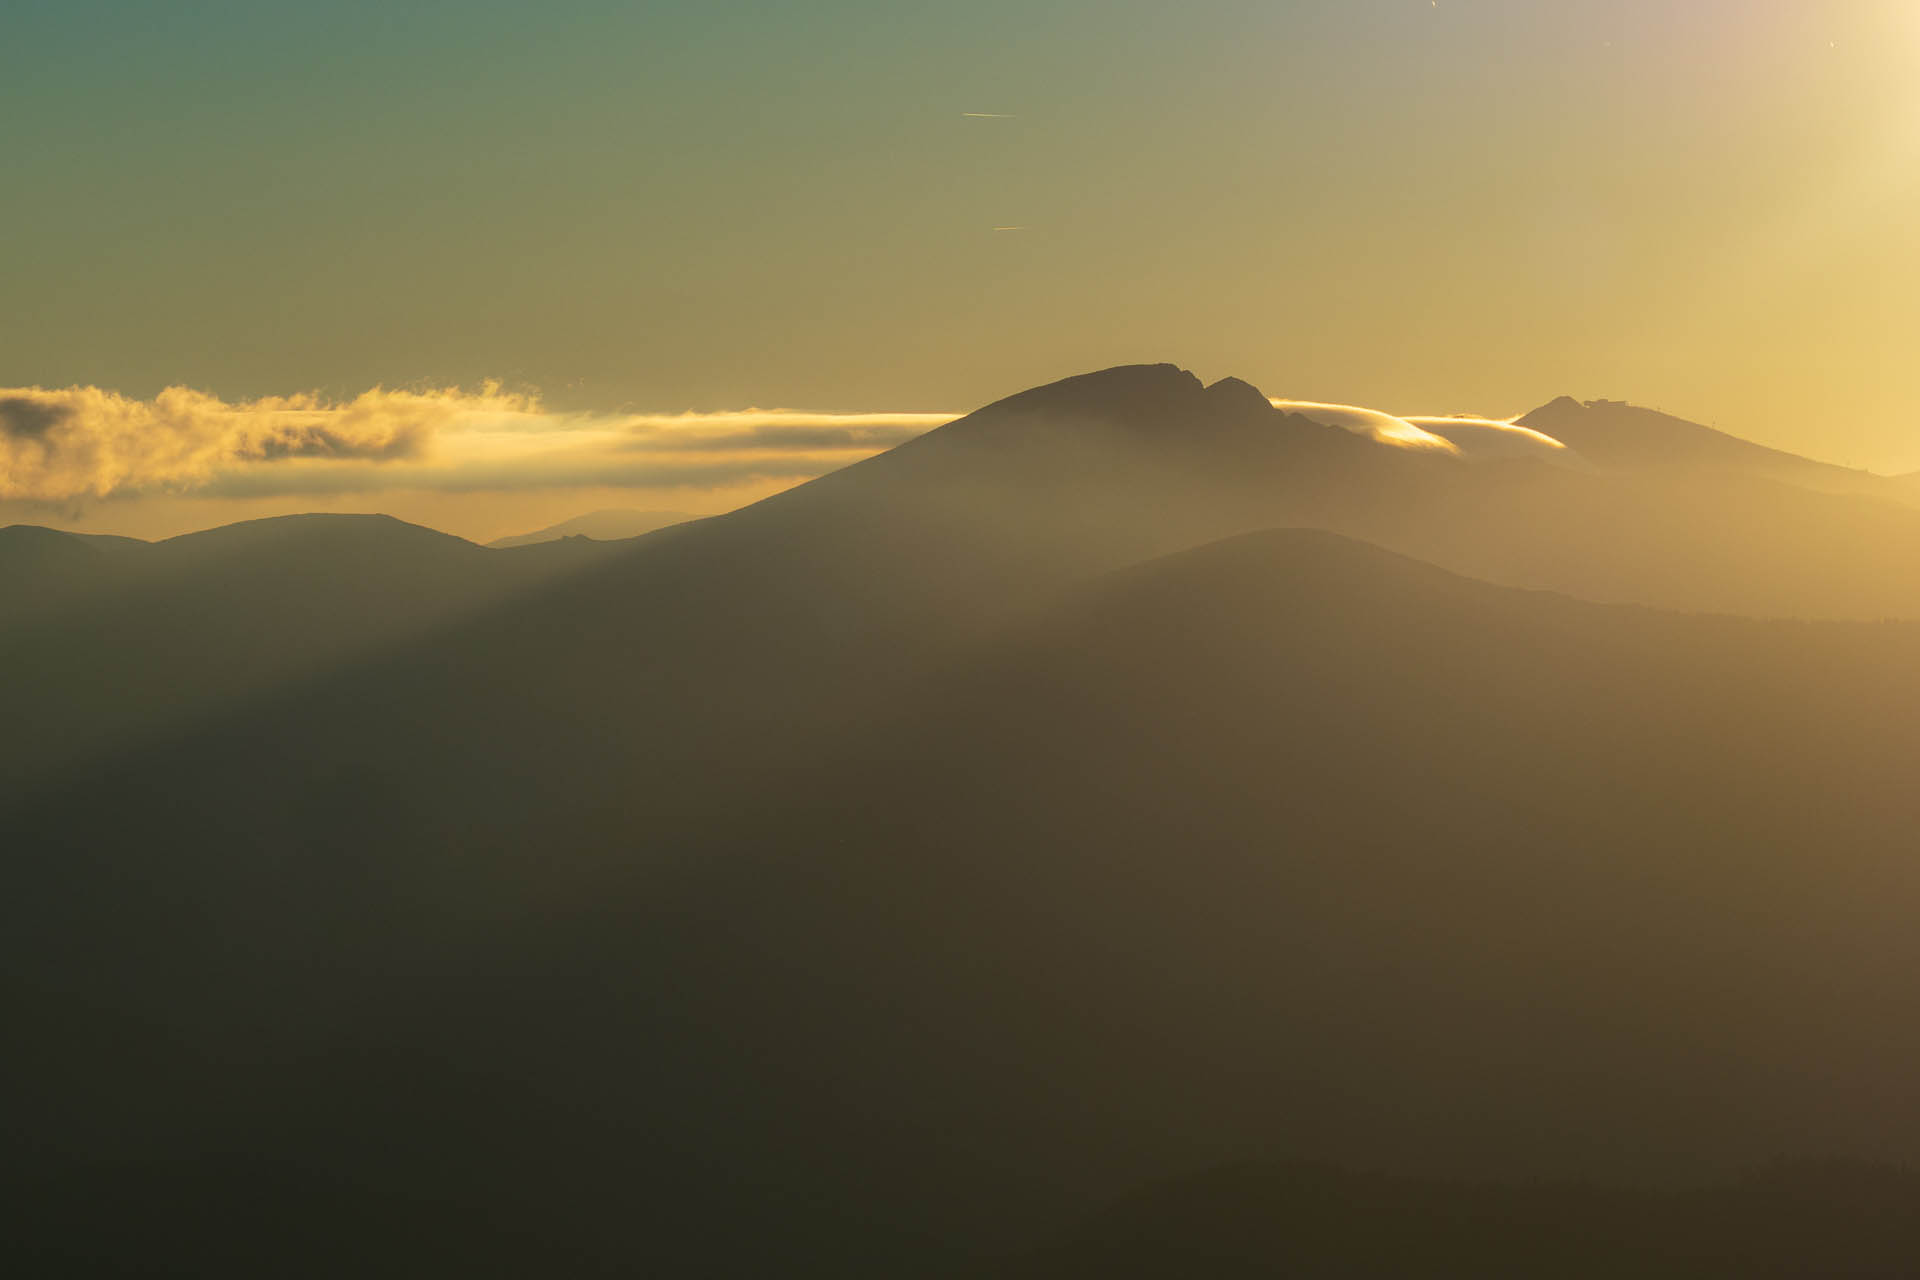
{"type": "Point", "coordinates": [84, 443]}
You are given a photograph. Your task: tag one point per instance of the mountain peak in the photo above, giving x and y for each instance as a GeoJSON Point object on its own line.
{"type": "Point", "coordinates": [1616, 433]}
{"type": "Point", "coordinates": [1123, 392]}
{"type": "Point", "coordinates": [1555, 407]}
{"type": "Point", "coordinates": [1234, 394]}
{"type": "Point", "coordinates": [315, 532]}
{"type": "Point", "coordinates": [1612, 416]}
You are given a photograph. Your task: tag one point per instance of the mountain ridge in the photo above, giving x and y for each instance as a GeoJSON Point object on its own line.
{"type": "Point", "coordinates": [1059, 801]}
{"type": "Point", "coordinates": [1620, 434]}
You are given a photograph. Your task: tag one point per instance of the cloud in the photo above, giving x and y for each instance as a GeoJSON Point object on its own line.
{"type": "Point", "coordinates": [778, 430]}
{"type": "Point", "coordinates": [83, 443]}
{"type": "Point", "coordinates": [784, 439]}
{"type": "Point", "coordinates": [1462, 436]}
{"type": "Point", "coordinates": [1494, 438]}
{"type": "Point", "coordinates": [583, 469]}
{"type": "Point", "coordinates": [23, 417]}
{"type": "Point", "coordinates": [1382, 427]}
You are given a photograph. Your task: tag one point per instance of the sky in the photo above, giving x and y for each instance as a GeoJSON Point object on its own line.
{"type": "Point", "coordinates": [594, 217]}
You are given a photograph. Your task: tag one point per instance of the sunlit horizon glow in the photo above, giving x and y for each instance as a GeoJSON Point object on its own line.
{"type": "Point", "coordinates": [1705, 206]}
{"type": "Point", "coordinates": [491, 460]}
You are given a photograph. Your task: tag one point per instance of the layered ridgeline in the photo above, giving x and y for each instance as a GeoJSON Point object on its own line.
{"type": "Point", "coordinates": [884, 876]}
{"type": "Point", "coordinates": [114, 640]}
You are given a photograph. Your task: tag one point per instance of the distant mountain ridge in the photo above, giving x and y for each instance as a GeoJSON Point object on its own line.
{"type": "Point", "coordinates": [124, 637]}
{"type": "Point", "coordinates": [1616, 434]}
{"type": "Point", "coordinates": [609, 525]}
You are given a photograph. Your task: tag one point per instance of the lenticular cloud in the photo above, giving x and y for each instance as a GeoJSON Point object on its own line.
{"type": "Point", "coordinates": [1462, 436]}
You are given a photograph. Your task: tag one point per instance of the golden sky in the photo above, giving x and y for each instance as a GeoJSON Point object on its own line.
{"type": "Point", "coordinates": [379, 216]}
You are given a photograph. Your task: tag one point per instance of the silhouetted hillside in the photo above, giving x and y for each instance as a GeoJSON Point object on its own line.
{"type": "Point", "coordinates": [111, 639]}
{"type": "Point", "coordinates": [877, 878]}
{"type": "Point", "coordinates": [1615, 434]}
{"type": "Point", "coordinates": [45, 571]}
{"type": "Point", "coordinates": [1099, 470]}
{"type": "Point", "coordinates": [1283, 846]}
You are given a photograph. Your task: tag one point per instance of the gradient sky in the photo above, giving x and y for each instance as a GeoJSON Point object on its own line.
{"type": "Point", "coordinates": [1708, 206]}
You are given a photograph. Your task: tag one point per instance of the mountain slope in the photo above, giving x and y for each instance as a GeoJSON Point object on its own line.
{"type": "Point", "coordinates": [115, 639]}
{"type": "Point", "coordinates": [45, 571]}
{"type": "Point", "coordinates": [1616, 434]}
{"type": "Point", "coordinates": [1280, 846]}
{"type": "Point", "coordinates": [956, 840]}
{"type": "Point", "coordinates": [1285, 779]}
{"type": "Point", "coordinates": [1095, 471]}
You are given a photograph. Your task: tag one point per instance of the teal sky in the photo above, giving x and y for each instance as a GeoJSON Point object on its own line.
{"type": "Point", "coordinates": [1705, 205]}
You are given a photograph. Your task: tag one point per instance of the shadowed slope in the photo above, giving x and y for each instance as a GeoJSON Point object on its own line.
{"type": "Point", "coordinates": [849, 860]}
{"type": "Point", "coordinates": [1475, 872]}
{"type": "Point", "coordinates": [113, 640]}
{"type": "Point", "coordinates": [44, 572]}
{"type": "Point", "coordinates": [1283, 845]}
{"type": "Point", "coordinates": [1095, 471]}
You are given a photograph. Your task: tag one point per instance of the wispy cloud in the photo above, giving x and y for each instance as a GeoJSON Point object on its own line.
{"type": "Point", "coordinates": [81, 443]}
{"type": "Point", "coordinates": [1495, 437]}
{"type": "Point", "coordinates": [780, 428]}
{"type": "Point", "coordinates": [987, 115]}
{"type": "Point", "coordinates": [1462, 436]}
{"type": "Point", "coordinates": [1382, 427]}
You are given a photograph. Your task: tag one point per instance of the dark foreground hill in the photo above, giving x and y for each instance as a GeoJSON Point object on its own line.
{"type": "Point", "coordinates": [1284, 847]}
